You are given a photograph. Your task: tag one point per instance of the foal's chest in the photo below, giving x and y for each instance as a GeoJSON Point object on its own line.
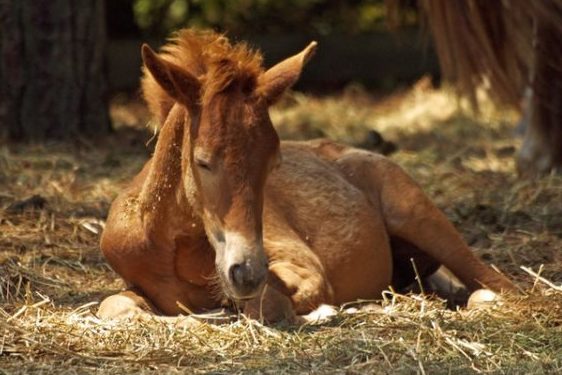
{"type": "Point", "coordinates": [195, 261]}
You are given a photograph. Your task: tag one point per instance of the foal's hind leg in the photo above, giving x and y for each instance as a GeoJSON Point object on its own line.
{"type": "Point", "coordinates": [433, 279]}
{"type": "Point", "coordinates": [409, 214]}
{"type": "Point", "coordinates": [445, 285]}
{"type": "Point", "coordinates": [405, 257]}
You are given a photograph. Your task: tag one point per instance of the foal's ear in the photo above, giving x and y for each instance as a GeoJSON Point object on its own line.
{"type": "Point", "coordinates": [285, 74]}
{"type": "Point", "coordinates": [177, 82]}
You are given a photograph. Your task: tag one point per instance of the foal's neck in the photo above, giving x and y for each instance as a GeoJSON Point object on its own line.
{"type": "Point", "coordinates": [166, 210]}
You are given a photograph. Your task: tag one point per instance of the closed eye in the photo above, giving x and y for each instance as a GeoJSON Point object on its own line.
{"type": "Point", "coordinates": [203, 164]}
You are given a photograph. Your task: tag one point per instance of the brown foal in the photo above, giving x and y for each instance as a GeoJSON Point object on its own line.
{"type": "Point", "coordinates": [224, 210]}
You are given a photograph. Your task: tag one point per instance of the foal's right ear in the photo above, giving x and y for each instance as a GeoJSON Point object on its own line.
{"type": "Point", "coordinates": [285, 74]}
{"type": "Point", "coordinates": [177, 82]}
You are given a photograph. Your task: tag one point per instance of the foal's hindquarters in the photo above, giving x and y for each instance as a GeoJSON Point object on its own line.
{"type": "Point", "coordinates": [331, 215]}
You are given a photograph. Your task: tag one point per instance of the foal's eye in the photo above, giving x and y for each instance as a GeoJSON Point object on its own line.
{"type": "Point", "coordinates": [203, 164]}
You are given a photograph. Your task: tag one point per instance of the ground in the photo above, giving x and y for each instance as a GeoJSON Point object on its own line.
{"type": "Point", "coordinates": [52, 274]}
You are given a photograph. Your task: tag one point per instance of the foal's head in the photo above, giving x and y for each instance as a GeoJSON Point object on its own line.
{"type": "Point", "coordinates": [232, 144]}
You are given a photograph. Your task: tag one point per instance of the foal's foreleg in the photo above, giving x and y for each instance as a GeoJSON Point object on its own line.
{"type": "Point", "coordinates": [126, 304]}
{"type": "Point", "coordinates": [292, 289]}
{"type": "Point", "coordinates": [130, 304]}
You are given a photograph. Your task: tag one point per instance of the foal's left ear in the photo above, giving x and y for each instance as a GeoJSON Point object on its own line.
{"type": "Point", "coordinates": [176, 81]}
{"type": "Point", "coordinates": [285, 74]}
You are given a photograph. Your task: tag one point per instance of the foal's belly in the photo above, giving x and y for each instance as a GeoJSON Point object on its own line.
{"type": "Point", "coordinates": [336, 220]}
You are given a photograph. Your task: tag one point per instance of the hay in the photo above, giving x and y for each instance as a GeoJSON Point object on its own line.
{"type": "Point", "coordinates": [52, 274]}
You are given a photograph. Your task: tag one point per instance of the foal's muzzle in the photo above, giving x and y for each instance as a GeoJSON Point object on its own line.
{"type": "Point", "coordinates": [247, 279]}
{"type": "Point", "coordinates": [242, 266]}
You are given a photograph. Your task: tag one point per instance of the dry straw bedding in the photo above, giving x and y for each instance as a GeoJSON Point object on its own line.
{"type": "Point", "coordinates": [52, 274]}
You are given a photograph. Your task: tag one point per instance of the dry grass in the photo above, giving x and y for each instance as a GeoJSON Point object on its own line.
{"type": "Point", "coordinates": [52, 274]}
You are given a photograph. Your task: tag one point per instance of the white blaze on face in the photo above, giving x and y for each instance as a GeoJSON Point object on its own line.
{"type": "Point", "coordinates": [247, 257]}
{"type": "Point", "coordinates": [238, 248]}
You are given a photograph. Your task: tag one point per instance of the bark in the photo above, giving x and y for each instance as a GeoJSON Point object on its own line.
{"type": "Point", "coordinates": [52, 69]}
{"type": "Point", "coordinates": [120, 19]}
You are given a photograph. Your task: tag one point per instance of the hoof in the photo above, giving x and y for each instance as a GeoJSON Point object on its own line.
{"type": "Point", "coordinates": [482, 299]}
{"type": "Point", "coordinates": [118, 307]}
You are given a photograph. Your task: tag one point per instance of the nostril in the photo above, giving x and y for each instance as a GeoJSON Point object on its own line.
{"type": "Point", "coordinates": [245, 279]}
{"type": "Point", "coordinates": [238, 274]}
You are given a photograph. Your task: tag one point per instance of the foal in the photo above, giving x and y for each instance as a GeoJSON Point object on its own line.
{"type": "Point", "coordinates": [223, 210]}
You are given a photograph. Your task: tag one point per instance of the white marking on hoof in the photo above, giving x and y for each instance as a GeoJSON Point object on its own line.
{"type": "Point", "coordinates": [482, 298]}
{"type": "Point", "coordinates": [321, 314]}
{"type": "Point", "coordinates": [364, 308]}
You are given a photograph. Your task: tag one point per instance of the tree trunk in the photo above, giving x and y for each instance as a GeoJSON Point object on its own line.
{"type": "Point", "coordinates": [52, 82]}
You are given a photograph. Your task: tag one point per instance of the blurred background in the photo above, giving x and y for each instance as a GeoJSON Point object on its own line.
{"type": "Point", "coordinates": [69, 60]}
{"type": "Point", "coordinates": [355, 42]}
{"type": "Point", "coordinates": [68, 67]}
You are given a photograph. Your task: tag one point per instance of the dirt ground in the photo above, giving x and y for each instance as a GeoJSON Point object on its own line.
{"type": "Point", "coordinates": [54, 198]}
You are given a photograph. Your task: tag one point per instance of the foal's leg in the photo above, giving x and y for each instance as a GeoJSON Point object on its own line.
{"type": "Point", "coordinates": [433, 279]}
{"type": "Point", "coordinates": [271, 306]}
{"type": "Point", "coordinates": [445, 285]}
{"type": "Point", "coordinates": [148, 265]}
{"type": "Point", "coordinates": [157, 290]}
{"type": "Point", "coordinates": [126, 304]}
{"type": "Point", "coordinates": [296, 285]}
{"type": "Point", "coordinates": [130, 304]}
{"type": "Point", "coordinates": [409, 214]}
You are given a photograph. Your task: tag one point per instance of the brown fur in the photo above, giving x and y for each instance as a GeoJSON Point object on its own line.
{"type": "Point", "coordinates": [211, 58]}
{"type": "Point", "coordinates": [215, 203]}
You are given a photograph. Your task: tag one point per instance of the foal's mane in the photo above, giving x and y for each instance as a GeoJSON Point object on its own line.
{"type": "Point", "coordinates": [209, 56]}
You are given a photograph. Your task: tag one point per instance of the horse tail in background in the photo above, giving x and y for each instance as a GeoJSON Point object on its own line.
{"type": "Point", "coordinates": [501, 45]}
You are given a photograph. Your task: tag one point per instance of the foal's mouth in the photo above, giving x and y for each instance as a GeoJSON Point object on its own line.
{"type": "Point", "coordinates": [221, 292]}
{"type": "Point", "coordinates": [230, 294]}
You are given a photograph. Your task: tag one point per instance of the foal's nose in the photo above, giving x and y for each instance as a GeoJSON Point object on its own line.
{"type": "Point", "coordinates": [246, 278]}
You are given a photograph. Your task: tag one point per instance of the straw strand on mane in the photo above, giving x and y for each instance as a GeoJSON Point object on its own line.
{"type": "Point", "coordinates": [210, 57]}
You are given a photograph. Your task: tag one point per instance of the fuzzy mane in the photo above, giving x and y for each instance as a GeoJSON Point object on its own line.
{"type": "Point", "coordinates": [210, 57]}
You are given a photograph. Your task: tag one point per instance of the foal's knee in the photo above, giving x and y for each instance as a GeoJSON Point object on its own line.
{"type": "Point", "coordinates": [307, 288]}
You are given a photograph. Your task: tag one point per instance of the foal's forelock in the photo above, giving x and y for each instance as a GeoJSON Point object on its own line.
{"type": "Point", "coordinates": [208, 56]}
